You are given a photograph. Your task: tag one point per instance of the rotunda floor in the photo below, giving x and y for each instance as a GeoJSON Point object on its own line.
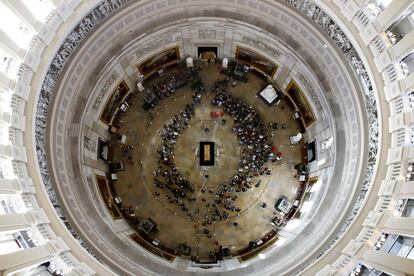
{"type": "Point", "coordinates": [194, 225]}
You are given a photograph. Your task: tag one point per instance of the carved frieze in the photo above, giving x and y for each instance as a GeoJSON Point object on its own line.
{"type": "Point", "coordinates": [108, 82]}
{"type": "Point", "coordinates": [311, 91]}
{"type": "Point", "coordinates": [207, 34]}
{"type": "Point", "coordinates": [258, 44]}
{"type": "Point", "coordinates": [70, 43]}
{"type": "Point", "coordinates": [310, 9]}
{"type": "Point", "coordinates": [156, 43]}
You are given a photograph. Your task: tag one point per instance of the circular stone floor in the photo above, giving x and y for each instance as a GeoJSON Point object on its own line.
{"type": "Point", "coordinates": [135, 185]}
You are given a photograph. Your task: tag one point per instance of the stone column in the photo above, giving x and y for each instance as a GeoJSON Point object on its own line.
{"type": "Point", "coordinates": [407, 83]}
{"type": "Point", "coordinates": [188, 46]}
{"type": "Point", "coordinates": [284, 71]}
{"type": "Point", "coordinates": [404, 46]}
{"type": "Point", "coordinates": [17, 222]}
{"type": "Point", "coordinates": [391, 13]}
{"type": "Point", "coordinates": [388, 263]}
{"type": "Point", "coordinates": [23, 13]}
{"type": "Point", "coordinates": [10, 46]}
{"type": "Point", "coordinates": [6, 81]}
{"type": "Point", "coordinates": [22, 261]}
{"type": "Point", "coordinates": [8, 186]}
{"type": "Point", "coordinates": [407, 189]}
{"type": "Point", "coordinates": [397, 225]}
{"type": "Point", "coordinates": [16, 186]}
{"type": "Point", "coordinates": [228, 43]}
{"type": "Point", "coordinates": [14, 152]}
{"type": "Point", "coordinates": [349, 8]}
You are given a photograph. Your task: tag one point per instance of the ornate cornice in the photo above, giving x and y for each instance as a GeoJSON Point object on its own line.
{"type": "Point", "coordinates": [101, 11]}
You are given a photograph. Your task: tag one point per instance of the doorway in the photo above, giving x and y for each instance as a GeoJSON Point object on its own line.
{"type": "Point", "coordinates": [206, 51]}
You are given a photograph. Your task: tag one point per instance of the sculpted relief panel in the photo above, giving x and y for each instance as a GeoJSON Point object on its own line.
{"type": "Point", "coordinates": [207, 34]}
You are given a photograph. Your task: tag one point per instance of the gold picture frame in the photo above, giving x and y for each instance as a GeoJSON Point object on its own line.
{"type": "Point", "coordinates": [158, 60]}
{"type": "Point", "coordinates": [300, 101]}
{"type": "Point", "coordinates": [114, 101]}
{"type": "Point", "coordinates": [256, 60]}
{"type": "Point", "coordinates": [104, 189]}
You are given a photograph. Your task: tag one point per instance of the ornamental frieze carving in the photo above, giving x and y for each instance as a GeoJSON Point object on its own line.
{"type": "Point", "coordinates": [311, 10]}
{"type": "Point", "coordinates": [310, 90]}
{"type": "Point", "coordinates": [155, 44]}
{"type": "Point", "coordinates": [207, 34]}
{"type": "Point", "coordinates": [108, 82]}
{"type": "Point", "coordinates": [258, 44]}
{"type": "Point", "coordinates": [68, 46]}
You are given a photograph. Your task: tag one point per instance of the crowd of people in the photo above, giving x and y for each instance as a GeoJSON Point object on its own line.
{"type": "Point", "coordinates": [218, 203]}
{"type": "Point", "coordinates": [167, 87]}
{"type": "Point", "coordinates": [173, 181]}
{"type": "Point", "coordinates": [250, 129]}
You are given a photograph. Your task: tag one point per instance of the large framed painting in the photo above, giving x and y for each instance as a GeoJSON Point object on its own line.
{"type": "Point", "coordinates": [118, 95]}
{"type": "Point", "coordinates": [105, 190]}
{"type": "Point", "coordinates": [301, 103]}
{"type": "Point", "coordinates": [156, 61]}
{"type": "Point", "coordinates": [256, 60]}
